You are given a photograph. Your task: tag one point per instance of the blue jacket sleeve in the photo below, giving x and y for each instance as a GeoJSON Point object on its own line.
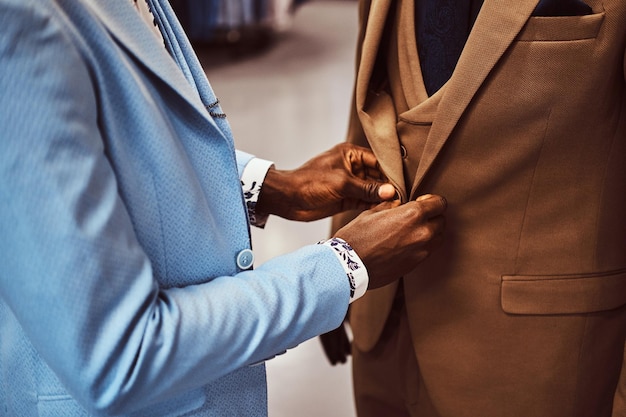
{"type": "Point", "coordinates": [74, 274]}
{"type": "Point", "coordinates": [242, 160]}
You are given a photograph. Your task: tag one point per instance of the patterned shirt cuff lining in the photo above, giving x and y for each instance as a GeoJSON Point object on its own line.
{"type": "Point", "coordinates": [352, 265]}
{"type": "Point", "coordinates": [251, 183]}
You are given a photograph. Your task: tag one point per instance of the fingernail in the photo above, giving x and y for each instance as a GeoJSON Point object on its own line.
{"type": "Point", "coordinates": [423, 197]}
{"type": "Point", "coordinates": [386, 191]}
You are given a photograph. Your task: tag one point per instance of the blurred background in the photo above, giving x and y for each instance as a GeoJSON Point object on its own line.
{"type": "Point", "coordinates": [283, 71]}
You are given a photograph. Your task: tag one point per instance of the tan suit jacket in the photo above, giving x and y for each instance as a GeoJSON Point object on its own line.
{"type": "Point", "coordinates": [522, 311]}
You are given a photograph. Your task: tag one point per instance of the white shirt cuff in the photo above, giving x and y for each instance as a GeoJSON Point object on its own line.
{"type": "Point", "coordinates": [251, 183]}
{"type": "Point", "coordinates": [352, 265]}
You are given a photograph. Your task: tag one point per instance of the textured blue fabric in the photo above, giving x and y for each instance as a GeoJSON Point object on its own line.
{"type": "Point", "coordinates": [121, 216]}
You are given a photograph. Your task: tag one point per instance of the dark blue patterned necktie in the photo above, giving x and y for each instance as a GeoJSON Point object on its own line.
{"type": "Point", "coordinates": [442, 27]}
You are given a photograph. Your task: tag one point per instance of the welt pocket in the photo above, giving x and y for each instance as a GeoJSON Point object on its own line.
{"type": "Point", "coordinates": [561, 28]}
{"type": "Point", "coordinates": [563, 294]}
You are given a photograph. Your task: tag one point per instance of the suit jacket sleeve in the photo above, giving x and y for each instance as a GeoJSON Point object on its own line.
{"type": "Point", "coordinates": [242, 160]}
{"type": "Point", "coordinates": [74, 274]}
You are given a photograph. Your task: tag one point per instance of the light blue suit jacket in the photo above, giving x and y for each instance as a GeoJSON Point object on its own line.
{"type": "Point", "coordinates": [121, 216]}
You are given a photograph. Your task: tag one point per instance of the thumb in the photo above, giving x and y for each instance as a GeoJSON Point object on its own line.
{"type": "Point", "coordinates": [387, 192]}
{"type": "Point", "coordinates": [372, 191]}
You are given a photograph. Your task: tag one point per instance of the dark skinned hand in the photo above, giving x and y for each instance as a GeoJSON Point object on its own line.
{"type": "Point", "coordinates": [391, 239]}
{"type": "Point", "coordinates": [336, 345]}
{"type": "Point", "coordinates": [343, 178]}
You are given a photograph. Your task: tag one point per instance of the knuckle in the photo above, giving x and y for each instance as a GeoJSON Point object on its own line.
{"type": "Point", "coordinates": [414, 210]}
{"type": "Point", "coordinates": [444, 202]}
{"type": "Point", "coordinates": [345, 186]}
{"type": "Point", "coordinates": [427, 233]}
{"type": "Point", "coordinates": [346, 149]}
{"type": "Point", "coordinates": [371, 190]}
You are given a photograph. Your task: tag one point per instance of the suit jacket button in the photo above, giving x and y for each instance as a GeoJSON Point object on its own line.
{"type": "Point", "coordinates": [245, 259]}
{"type": "Point", "coordinates": [403, 152]}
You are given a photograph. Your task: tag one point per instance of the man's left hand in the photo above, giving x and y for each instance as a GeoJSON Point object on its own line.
{"type": "Point", "coordinates": [346, 177]}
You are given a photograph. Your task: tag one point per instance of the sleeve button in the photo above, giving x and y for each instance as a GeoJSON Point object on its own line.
{"type": "Point", "coordinates": [245, 259]}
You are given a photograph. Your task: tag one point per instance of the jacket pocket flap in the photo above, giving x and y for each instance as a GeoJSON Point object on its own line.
{"type": "Point", "coordinates": [563, 294]}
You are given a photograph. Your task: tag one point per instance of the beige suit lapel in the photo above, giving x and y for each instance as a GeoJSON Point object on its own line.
{"type": "Point", "coordinates": [497, 25]}
{"type": "Point", "coordinates": [375, 110]}
{"type": "Point", "coordinates": [378, 120]}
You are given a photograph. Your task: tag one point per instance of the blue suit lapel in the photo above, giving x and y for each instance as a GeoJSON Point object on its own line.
{"type": "Point", "coordinates": [181, 73]}
{"type": "Point", "coordinates": [183, 53]}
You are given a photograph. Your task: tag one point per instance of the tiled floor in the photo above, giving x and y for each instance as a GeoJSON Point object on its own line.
{"type": "Point", "coordinates": [288, 103]}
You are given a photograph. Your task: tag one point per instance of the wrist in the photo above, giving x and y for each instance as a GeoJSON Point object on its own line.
{"type": "Point", "coordinates": [273, 196]}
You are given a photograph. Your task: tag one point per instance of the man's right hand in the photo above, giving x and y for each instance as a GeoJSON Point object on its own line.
{"type": "Point", "coordinates": [391, 239]}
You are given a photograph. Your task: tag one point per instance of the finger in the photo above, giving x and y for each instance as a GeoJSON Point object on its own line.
{"type": "Point", "coordinates": [432, 205]}
{"type": "Point", "coordinates": [359, 155]}
{"type": "Point", "coordinates": [336, 345]}
{"type": "Point", "coordinates": [361, 206]}
{"type": "Point", "coordinates": [387, 192]}
{"type": "Point", "coordinates": [346, 349]}
{"type": "Point", "coordinates": [365, 157]}
{"type": "Point", "coordinates": [366, 167]}
{"type": "Point", "coordinates": [365, 172]}
{"type": "Point", "coordinates": [385, 205]}
{"type": "Point", "coordinates": [369, 191]}
{"type": "Point", "coordinates": [327, 340]}
{"type": "Point", "coordinates": [437, 226]}
{"type": "Point", "coordinates": [368, 173]}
